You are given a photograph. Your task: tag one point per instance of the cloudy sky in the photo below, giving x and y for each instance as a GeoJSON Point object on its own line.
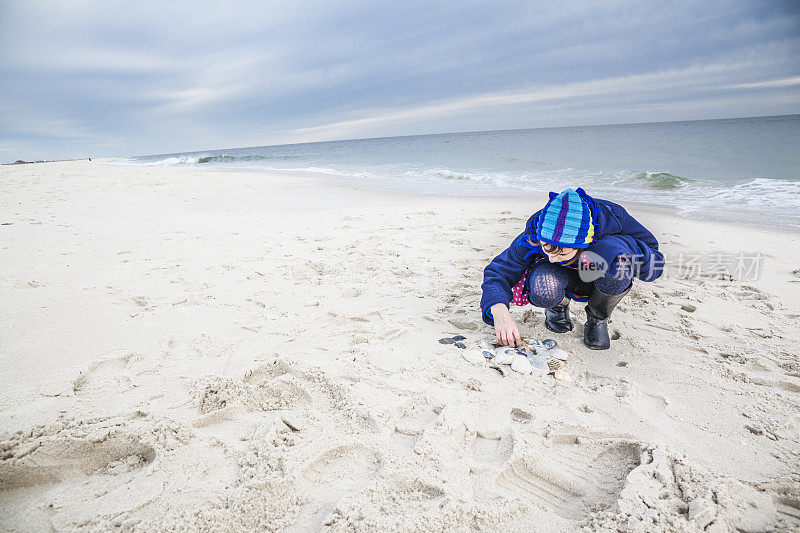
{"type": "Point", "coordinates": [132, 78]}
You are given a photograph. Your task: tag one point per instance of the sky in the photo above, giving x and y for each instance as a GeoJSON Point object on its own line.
{"type": "Point", "coordinates": [116, 79]}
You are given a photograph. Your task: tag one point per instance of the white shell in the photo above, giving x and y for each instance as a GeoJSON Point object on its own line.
{"type": "Point", "coordinates": [504, 355]}
{"type": "Point", "coordinates": [557, 353]}
{"type": "Point", "coordinates": [560, 375]}
{"type": "Point", "coordinates": [485, 345]}
{"type": "Point", "coordinates": [521, 364]}
{"type": "Point", "coordinates": [473, 356]}
{"type": "Point", "coordinates": [538, 365]}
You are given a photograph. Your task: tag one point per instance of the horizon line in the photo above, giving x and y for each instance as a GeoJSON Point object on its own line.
{"type": "Point", "coordinates": [465, 132]}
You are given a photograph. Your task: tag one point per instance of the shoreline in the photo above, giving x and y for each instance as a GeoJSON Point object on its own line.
{"type": "Point", "coordinates": [353, 180]}
{"type": "Point", "coordinates": [196, 348]}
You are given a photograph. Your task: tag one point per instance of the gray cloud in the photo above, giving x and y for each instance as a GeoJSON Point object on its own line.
{"type": "Point", "coordinates": [113, 78]}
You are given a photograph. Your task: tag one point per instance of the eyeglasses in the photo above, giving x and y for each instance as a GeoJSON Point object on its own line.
{"type": "Point", "coordinates": [555, 251]}
{"type": "Point", "coordinates": [549, 249]}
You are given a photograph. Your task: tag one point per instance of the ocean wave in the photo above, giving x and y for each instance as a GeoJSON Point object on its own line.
{"type": "Point", "coordinates": [316, 170]}
{"type": "Point", "coordinates": [457, 176]}
{"type": "Point", "coordinates": [215, 159]}
{"type": "Point", "coordinates": [447, 174]}
{"type": "Point", "coordinates": [244, 158]}
{"type": "Point", "coordinates": [758, 194]}
{"type": "Point", "coordinates": [663, 181]}
{"type": "Point", "coordinates": [203, 159]}
{"type": "Point", "coordinates": [168, 161]}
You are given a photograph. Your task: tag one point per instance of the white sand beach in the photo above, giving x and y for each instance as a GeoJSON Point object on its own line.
{"type": "Point", "coordinates": [187, 350]}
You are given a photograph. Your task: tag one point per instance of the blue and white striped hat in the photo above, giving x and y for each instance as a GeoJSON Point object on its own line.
{"type": "Point", "coordinates": [566, 221]}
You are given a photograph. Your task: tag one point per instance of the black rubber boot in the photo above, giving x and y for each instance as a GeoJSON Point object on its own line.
{"type": "Point", "coordinates": [557, 318]}
{"type": "Point", "coordinates": [598, 309]}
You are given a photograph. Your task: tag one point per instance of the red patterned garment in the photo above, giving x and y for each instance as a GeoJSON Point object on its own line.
{"type": "Point", "coordinates": [520, 291]}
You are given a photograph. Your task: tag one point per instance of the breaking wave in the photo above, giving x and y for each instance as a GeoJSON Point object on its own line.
{"type": "Point", "coordinates": [195, 159]}
{"type": "Point", "coordinates": [663, 181]}
{"type": "Point", "coordinates": [242, 158]}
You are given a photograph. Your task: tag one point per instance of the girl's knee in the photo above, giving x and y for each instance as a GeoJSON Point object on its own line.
{"type": "Point", "coordinates": [545, 301]}
{"type": "Point", "coordinates": [613, 285]}
{"type": "Point", "coordinates": [546, 286]}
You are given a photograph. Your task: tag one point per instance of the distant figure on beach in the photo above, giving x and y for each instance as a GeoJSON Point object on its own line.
{"type": "Point", "coordinates": [575, 248]}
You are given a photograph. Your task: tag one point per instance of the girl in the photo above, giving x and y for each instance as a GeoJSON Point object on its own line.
{"type": "Point", "coordinates": [575, 248]}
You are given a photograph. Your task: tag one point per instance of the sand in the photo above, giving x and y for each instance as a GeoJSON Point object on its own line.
{"type": "Point", "coordinates": [213, 350]}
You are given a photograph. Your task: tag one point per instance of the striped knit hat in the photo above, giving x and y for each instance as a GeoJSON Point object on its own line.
{"type": "Point", "coordinates": [566, 220]}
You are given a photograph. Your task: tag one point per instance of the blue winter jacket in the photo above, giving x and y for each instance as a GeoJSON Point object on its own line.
{"type": "Point", "coordinates": [616, 233]}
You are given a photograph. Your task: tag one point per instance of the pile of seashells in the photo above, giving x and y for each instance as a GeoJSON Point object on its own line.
{"type": "Point", "coordinates": [535, 357]}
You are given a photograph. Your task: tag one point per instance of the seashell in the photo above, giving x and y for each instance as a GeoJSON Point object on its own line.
{"type": "Point", "coordinates": [558, 353]}
{"type": "Point", "coordinates": [459, 338]}
{"type": "Point", "coordinates": [521, 364]}
{"type": "Point", "coordinates": [533, 342]}
{"type": "Point", "coordinates": [560, 375]}
{"type": "Point", "coordinates": [504, 371]}
{"type": "Point", "coordinates": [555, 364]}
{"type": "Point", "coordinates": [446, 340]}
{"type": "Point", "coordinates": [538, 365]}
{"type": "Point", "coordinates": [459, 345]}
{"type": "Point", "coordinates": [488, 354]}
{"type": "Point", "coordinates": [504, 355]}
{"type": "Point", "coordinates": [533, 350]}
{"type": "Point", "coordinates": [485, 345]}
{"type": "Point", "coordinates": [503, 358]}
{"type": "Point", "coordinates": [527, 352]}
{"type": "Point", "coordinates": [549, 343]}
{"type": "Point", "coordinates": [473, 356]}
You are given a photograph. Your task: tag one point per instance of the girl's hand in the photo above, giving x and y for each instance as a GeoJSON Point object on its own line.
{"type": "Point", "coordinates": [504, 326]}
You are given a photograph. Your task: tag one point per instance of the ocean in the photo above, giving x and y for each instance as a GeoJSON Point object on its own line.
{"type": "Point", "coordinates": [744, 169]}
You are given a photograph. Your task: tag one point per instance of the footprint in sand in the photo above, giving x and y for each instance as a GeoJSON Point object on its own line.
{"type": "Point", "coordinates": [283, 392]}
{"type": "Point", "coordinates": [417, 492]}
{"type": "Point", "coordinates": [335, 475]}
{"type": "Point", "coordinates": [114, 372]}
{"type": "Point", "coordinates": [267, 371]}
{"type": "Point", "coordinates": [577, 475]}
{"type": "Point", "coordinates": [207, 346]}
{"type": "Point", "coordinates": [412, 420]}
{"type": "Point", "coordinates": [407, 501]}
{"type": "Point", "coordinates": [221, 399]}
{"type": "Point", "coordinates": [489, 453]}
{"type": "Point", "coordinates": [491, 449]}
{"type": "Point", "coordinates": [49, 459]}
{"type": "Point", "coordinates": [464, 324]}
